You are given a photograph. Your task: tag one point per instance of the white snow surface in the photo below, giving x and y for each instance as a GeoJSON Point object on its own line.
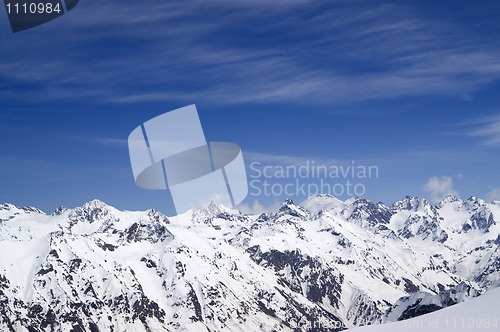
{"type": "Point", "coordinates": [478, 314]}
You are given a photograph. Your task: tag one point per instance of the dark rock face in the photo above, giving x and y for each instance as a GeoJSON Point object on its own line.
{"type": "Point", "coordinates": [152, 232]}
{"type": "Point", "coordinates": [417, 310]}
{"type": "Point", "coordinates": [375, 214]}
{"type": "Point", "coordinates": [303, 275]}
{"type": "Point", "coordinates": [421, 303]}
{"type": "Point", "coordinates": [320, 283]}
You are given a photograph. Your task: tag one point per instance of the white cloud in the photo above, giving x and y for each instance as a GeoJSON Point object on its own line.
{"type": "Point", "coordinates": [494, 194]}
{"type": "Point", "coordinates": [439, 187]}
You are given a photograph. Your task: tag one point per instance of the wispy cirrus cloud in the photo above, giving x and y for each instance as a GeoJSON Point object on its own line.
{"type": "Point", "coordinates": [255, 52]}
{"type": "Point", "coordinates": [487, 130]}
{"type": "Point", "coordinates": [111, 142]}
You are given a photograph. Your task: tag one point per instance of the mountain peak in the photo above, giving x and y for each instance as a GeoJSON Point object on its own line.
{"type": "Point", "coordinates": [411, 203]}
{"type": "Point", "coordinates": [91, 211]}
{"type": "Point", "coordinates": [450, 198]}
{"type": "Point", "coordinates": [26, 209]}
{"type": "Point", "coordinates": [209, 212]}
{"type": "Point", "coordinates": [317, 203]}
{"type": "Point", "coordinates": [59, 210]}
{"type": "Point", "coordinates": [365, 212]}
{"type": "Point", "coordinates": [322, 197]}
{"type": "Point", "coordinates": [356, 200]}
{"type": "Point", "coordinates": [290, 208]}
{"type": "Point", "coordinates": [7, 206]}
{"type": "Point", "coordinates": [476, 200]}
{"type": "Point", "coordinates": [95, 204]}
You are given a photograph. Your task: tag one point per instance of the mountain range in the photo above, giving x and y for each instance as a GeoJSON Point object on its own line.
{"type": "Point", "coordinates": [321, 265]}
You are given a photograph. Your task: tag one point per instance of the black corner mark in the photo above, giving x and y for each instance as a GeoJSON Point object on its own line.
{"type": "Point", "coordinates": [26, 14]}
{"type": "Point", "coordinates": [70, 4]}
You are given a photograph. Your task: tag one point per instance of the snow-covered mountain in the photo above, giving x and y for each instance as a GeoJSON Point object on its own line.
{"type": "Point", "coordinates": [478, 314]}
{"type": "Point", "coordinates": [323, 265]}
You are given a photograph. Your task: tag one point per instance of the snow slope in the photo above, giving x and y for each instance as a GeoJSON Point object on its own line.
{"type": "Point", "coordinates": [478, 314]}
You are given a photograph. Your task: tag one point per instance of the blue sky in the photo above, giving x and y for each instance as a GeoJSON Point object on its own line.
{"type": "Point", "coordinates": [409, 86]}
